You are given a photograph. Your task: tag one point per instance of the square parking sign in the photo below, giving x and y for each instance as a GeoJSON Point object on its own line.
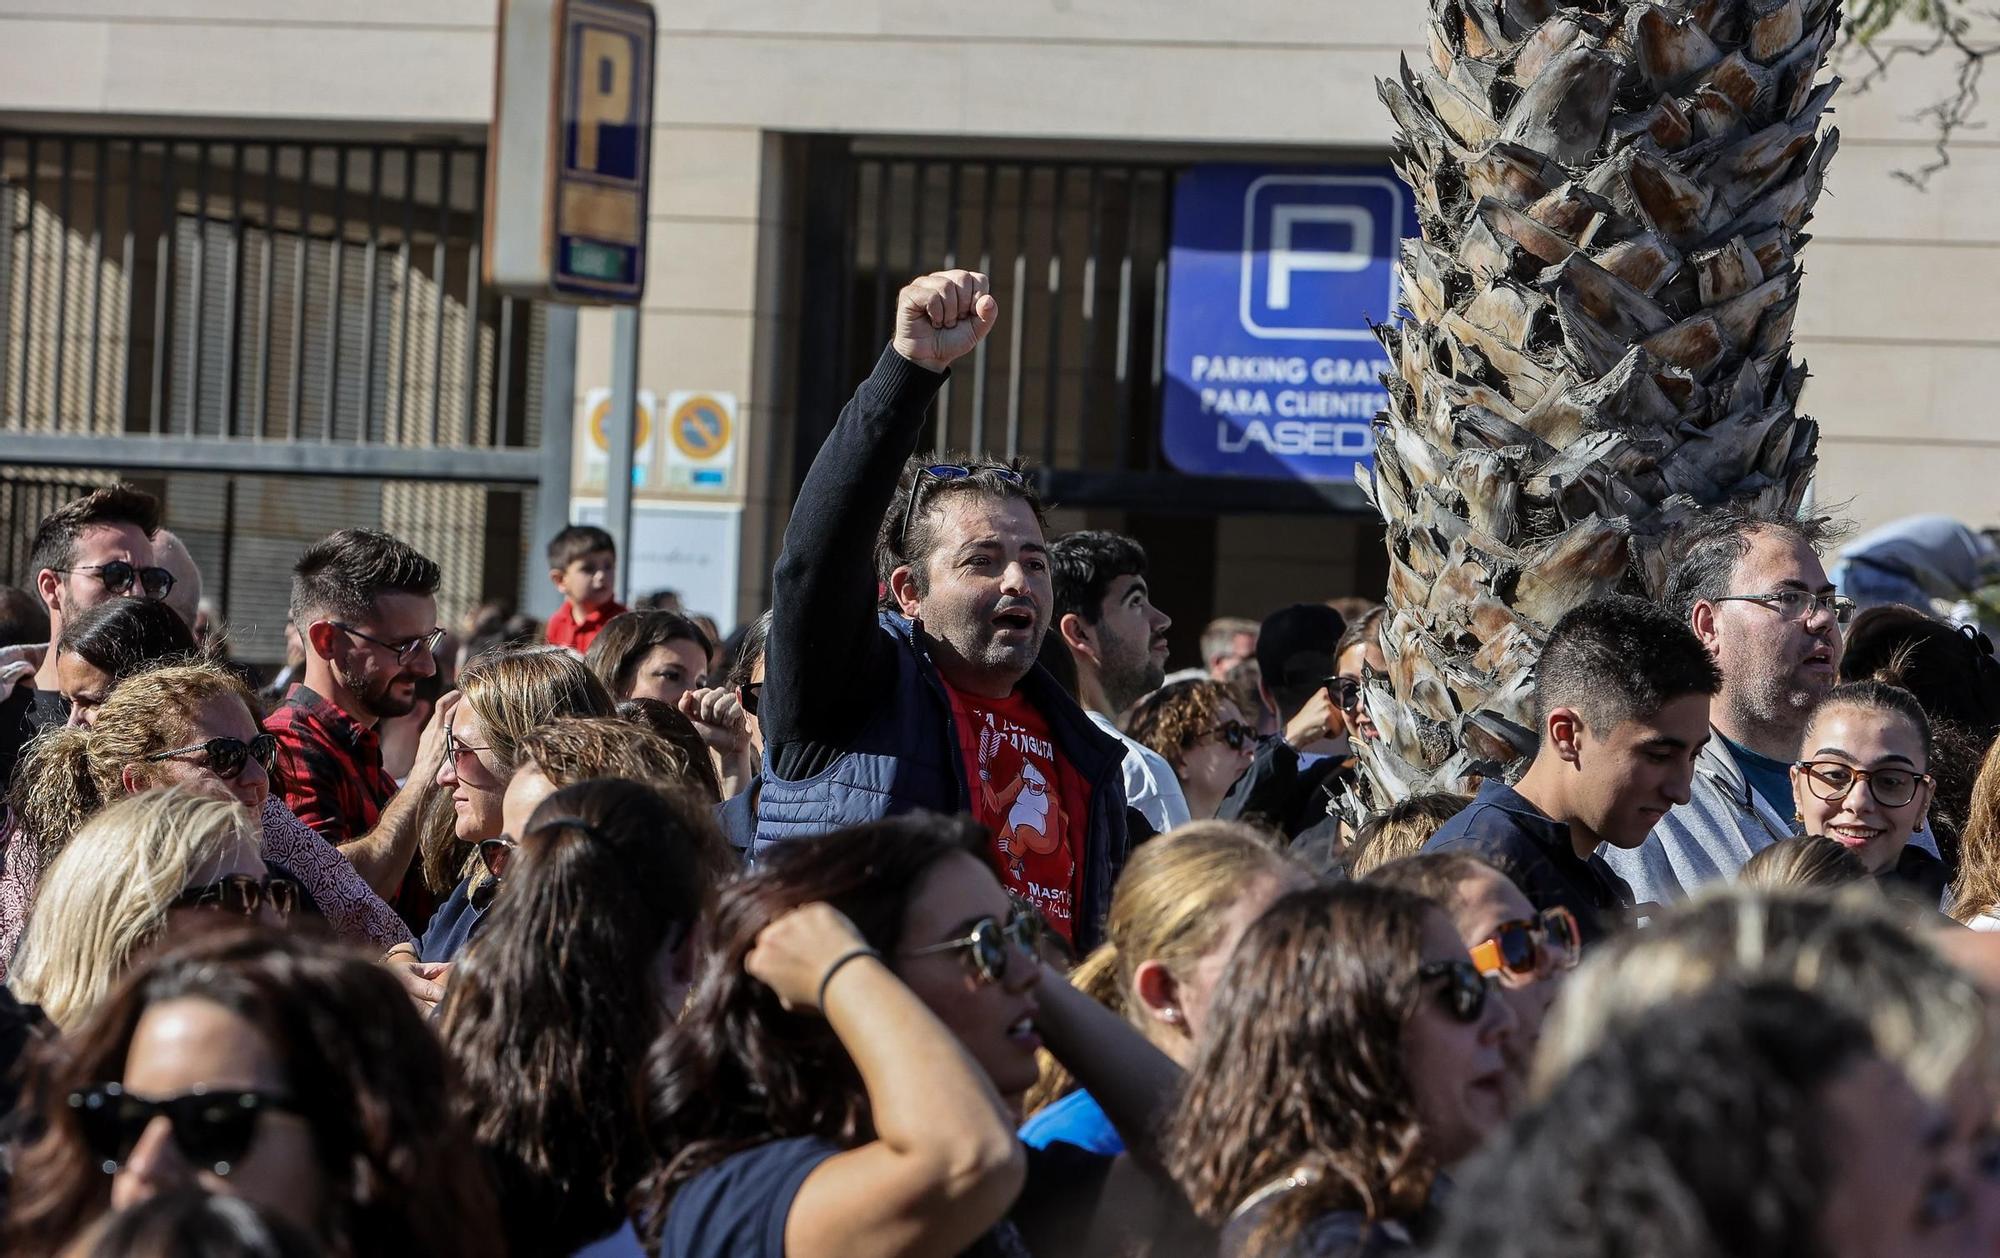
{"type": "Point", "coordinates": [1273, 278]}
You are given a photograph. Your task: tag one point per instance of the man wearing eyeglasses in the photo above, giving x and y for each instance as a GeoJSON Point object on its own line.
{"type": "Point", "coordinates": [910, 604]}
{"type": "Point", "coordinates": [1752, 588]}
{"type": "Point", "coordinates": [89, 551]}
{"type": "Point", "coordinates": [366, 607]}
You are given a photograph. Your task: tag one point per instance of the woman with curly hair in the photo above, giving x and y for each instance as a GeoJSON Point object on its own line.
{"type": "Point", "coordinates": [253, 1065]}
{"type": "Point", "coordinates": [1198, 729]}
{"type": "Point", "coordinates": [1353, 1054]}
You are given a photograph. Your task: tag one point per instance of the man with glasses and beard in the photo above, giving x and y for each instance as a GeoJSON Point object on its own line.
{"type": "Point", "coordinates": [932, 699]}
{"type": "Point", "coordinates": [1105, 616]}
{"type": "Point", "coordinates": [88, 551]}
{"type": "Point", "coordinates": [366, 608]}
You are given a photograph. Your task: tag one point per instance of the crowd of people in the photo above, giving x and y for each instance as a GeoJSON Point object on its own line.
{"type": "Point", "coordinates": [929, 914]}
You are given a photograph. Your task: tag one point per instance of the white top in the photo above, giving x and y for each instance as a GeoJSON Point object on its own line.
{"type": "Point", "coordinates": [1989, 922]}
{"type": "Point", "coordinates": [1150, 784]}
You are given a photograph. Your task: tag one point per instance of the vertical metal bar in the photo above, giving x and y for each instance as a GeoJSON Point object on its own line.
{"type": "Point", "coordinates": [437, 282]}
{"type": "Point", "coordinates": [97, 195]}
{"type": "Point", "coordinates": [472, 263]}
{"type": "Point", "coordinates": [619, 434]}
{"type": "Point", "coordinates": [18, 421]}
{"type": "Point", "coordinates": [364, 432]}
{"type": "Point", "coordinates": [163, 273]}
{"type": "Point", "coordinates": [503, 372]}
{"type": "Point", "coordinates": [200, 295]}
{"type": "Point", "coordinates": [228, 522]}
{"type": "Point", "coordinates": [1051, 415]}
{"type": "Point", "coordinates": [1019, 321]}
{"type": "Point", "coordinates": [1159, 322]}
{"type": "Point", "coordinates": [943, 438]}
{"type": "Point", "coordinates": [28, 281]}
{"type": "Point", "coordinates": [336, 292]}
{"type": "Point", "coordinates": [1090, 315]}
{"type": "Point", "coordinates": [884, 178]}
{"type": "Point", "coordinates": [131, 264]}
{"type": "Point", "coordinates": [1121, 371]}
{"type": "Point", "coordinates": [267, 291]}
{"type": "Point", "coordinates": [232, 316]}
{"type": "Point", "coordinates": [977, 445]}
{"type": "Point", "coordinates": [63, 206]}
{"type": "Point", "coordinates": [298, 389]}
{"type": "Point", "coordinates": [558, 421]}
{"type": "Point", "coordinates": [405, 277]}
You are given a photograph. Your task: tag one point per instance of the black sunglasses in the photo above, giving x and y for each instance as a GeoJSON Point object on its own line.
{"type": "Point", "coordinates": [406, 650]}
{"type": "Point", "coordinates": [947, 471]}
{"type": "Point", "coordinates": [243, 894]}
{"type": "Point", "coordinates": [227, 756]}
{"type": "Point", "coordinates": [1235, 733]}
{"type": "Point", "coordinates": [212, 1128]}
{"type": "Point", "coordinates": [987, 945]}
{"type": "Point", "coordinates": [118, 576]}
{"type": "Point", "coordinates": [1346, 692]}
{"type": "Point", "coordinates": [497, 854]}
{"type": "Point", "coordinates": [750, 694]}
{"type": "Point", "coordinates": [1465, 991]}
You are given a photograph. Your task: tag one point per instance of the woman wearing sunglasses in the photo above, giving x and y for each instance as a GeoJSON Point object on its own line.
{"type": "Point", "coordinates": [1357, 655]}
{"type": "Point", "coordinates": [544, 1034]}
{"type": "Point", "coordinates": [1354, 1053]}
{"type": "Point", "coordinates": [142, 873]}
{"type": "Point", "coordinates": [847, 1076]}
{"type": "Point", "coordinates": [1862, 780]}
{"type": "Point", "coordinates": [178, 723]}
{"type": "Point", "coordinates": [1198, 729]}
{"type": "Point", "coordinates": [252, 1066]}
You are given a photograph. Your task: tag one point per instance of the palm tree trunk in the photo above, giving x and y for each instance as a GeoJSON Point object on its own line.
{"type": "Point", "coordinates": [1598, 331]}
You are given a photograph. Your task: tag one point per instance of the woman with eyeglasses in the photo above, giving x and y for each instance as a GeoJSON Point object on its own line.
{"type": "Point", "coordinates": [1526, 952]}
{"type": "Point", "coordinates": [190, 722]}
{"type": "Point", "coordinates": [1198, 729]}
{"type": "Point", "coordinates": [1354, 1054]}
{"type": "Point", "coordinates": [547, 1036]}
{"type": "Point", "coordinates": [1863, 780]}
{"type": "Point", "coordinates": [138, 875]}
{"type": "Point", "coordinates": [251, 1065]}
{"type": "Point", "coordinates": [847, 1076]}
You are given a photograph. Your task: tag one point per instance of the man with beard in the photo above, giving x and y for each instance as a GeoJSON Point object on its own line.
{"type": "Point", "coordinates": [933, 700]}
{"type": "Point", "coordinates": [366, 607]}
{"type": "Point", "coordinates": [88, 551]}
{"type": "Point", "coordinates": [1105, 616]}
{"type": "Point", "coordinates": [1752, 588]}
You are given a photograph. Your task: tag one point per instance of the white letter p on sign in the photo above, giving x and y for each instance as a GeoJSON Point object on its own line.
{"type": "Point", "coordinates": [1285, 260]}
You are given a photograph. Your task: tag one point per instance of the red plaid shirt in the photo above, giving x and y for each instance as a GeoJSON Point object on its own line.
{"type": "Point", "coordinates": [330, 766]}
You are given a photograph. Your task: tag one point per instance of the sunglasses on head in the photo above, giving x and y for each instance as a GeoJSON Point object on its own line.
{"type": "Point", "coordinates": [948, 471]}
{"type": "Point", "coordinates": [1523, 948]}
{"type": "Point", "coordinates": [225, 757]}
{"type": "Point", "coordinates": [1465, 990]}
{"type": "Point", "coordinates": [118, 576]}
{"type": "Point", "coordinates": [243, 894]}
{"type": "Point", "coordinates": [213, 1129]}
{"type": "Point", "coordinates": [986, 945]}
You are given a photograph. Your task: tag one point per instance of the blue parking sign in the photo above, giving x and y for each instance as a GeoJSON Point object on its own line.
{"type": "Point", "coordinates": [1273, 278]}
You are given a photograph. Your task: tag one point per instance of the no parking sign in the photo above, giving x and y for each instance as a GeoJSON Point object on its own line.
{"type": "Point", "coordinates": [701, 440]}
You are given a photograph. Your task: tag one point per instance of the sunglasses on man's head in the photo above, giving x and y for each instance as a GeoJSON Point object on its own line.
{"type": "Point", "coordinates": [948, 471]}
{"type": "Point", "coordinates": [225, 757]}
{"type": "Point", "coordinates": [1465, 990]}
{"type": "Point", "coordinates": [1523, 948]}
{"type": "Point", "coordinates": [212, 1129]}
{"type": "Point", "coordinates": [243, 894]}
{"type": "Point", "coordinates": [987, 944]}
{"type": "Point", "coordinates": [118, 576]}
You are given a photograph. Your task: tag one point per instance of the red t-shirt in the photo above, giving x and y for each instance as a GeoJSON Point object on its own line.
{"type": "Point", "coordinates": [565, 630]}
{"type": "Point", "coordinates": [1036, 806]}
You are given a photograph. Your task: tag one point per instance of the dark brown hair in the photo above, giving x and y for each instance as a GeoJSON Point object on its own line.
{"type": "Point", "coordinates": [342, 574]}
{"type": "Point", "coordinates": [554, 1005]}
{"type": "Point", "coordinates": [366, 1074]}
{"type": "Point", "coordinates": [56, 536]}
{"type": "Point", "coordinates": [990, 482]}
{"type": "Point", "coordinates": [1303, 1067]}
{"type": "Point", "coordinates": [673, 727]}
{"type": "Point", "coordinates": [622, 645]}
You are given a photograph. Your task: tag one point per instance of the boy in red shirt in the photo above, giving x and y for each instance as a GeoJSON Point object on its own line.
{"type": "Point", "coordinates": [583, 564]}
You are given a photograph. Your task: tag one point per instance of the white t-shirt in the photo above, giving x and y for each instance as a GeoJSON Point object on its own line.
{"type": "Point", "coordinates": [1150, 784]}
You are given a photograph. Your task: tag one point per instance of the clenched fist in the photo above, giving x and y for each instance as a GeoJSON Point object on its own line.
{"type": "Point", "coordinates": [941, 317]}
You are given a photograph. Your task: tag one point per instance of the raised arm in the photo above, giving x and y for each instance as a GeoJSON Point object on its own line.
{"type": "Point", "coordinates": [1135, 1083]}
{"type": "Point", "coordinates": [944, 1165]}
{"type": "Point", "coordinates": [823, 588]}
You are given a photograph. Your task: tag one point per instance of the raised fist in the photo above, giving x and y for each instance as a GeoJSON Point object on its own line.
{"type": "Point", "coordinates": [941, 317]}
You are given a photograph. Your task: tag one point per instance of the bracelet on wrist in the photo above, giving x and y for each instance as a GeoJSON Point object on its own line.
{"type": "Point", "coordinates": [853, 954]}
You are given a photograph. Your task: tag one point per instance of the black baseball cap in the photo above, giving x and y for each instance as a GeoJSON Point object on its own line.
{"type": "Point", "coordinates": [1295, 647]}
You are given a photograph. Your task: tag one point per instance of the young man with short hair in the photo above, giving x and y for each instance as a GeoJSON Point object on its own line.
{"type": "Point", "coordinates": [934, 700]}
{"type": "Point", "coordinates": [583, 564]}
{"type": "Point", "coordinates": [88, 551]}
{"type": "Point", "coordinates": [1621, 702]}
{"type": "Point", "coordinates": [365, 605]}
{"type": "Point", "coordinates": [1104, 616]}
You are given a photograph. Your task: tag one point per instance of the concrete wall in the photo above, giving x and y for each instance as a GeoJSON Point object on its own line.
{"type": "Point", "coordinates": [1900, 320]}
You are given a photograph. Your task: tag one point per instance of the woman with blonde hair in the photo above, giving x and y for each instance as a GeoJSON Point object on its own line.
{"type": "Point", "coordinates": [129, 881]}
{"type": "Point", "coordinates": [178, 723]}
{"type": "Point", "coordinates": [1181, 904]}
{"type": "Point", "coordinates": [1975, 896]}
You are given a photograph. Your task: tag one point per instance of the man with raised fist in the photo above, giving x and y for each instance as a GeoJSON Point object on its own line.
{"type": "Point", "coordinates": [910, 603]}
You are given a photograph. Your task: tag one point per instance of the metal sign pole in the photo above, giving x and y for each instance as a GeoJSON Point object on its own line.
{"type": "Point", "coordinates": [558, 422]}
{"type": "Point", "coordinates": [621, 434]}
